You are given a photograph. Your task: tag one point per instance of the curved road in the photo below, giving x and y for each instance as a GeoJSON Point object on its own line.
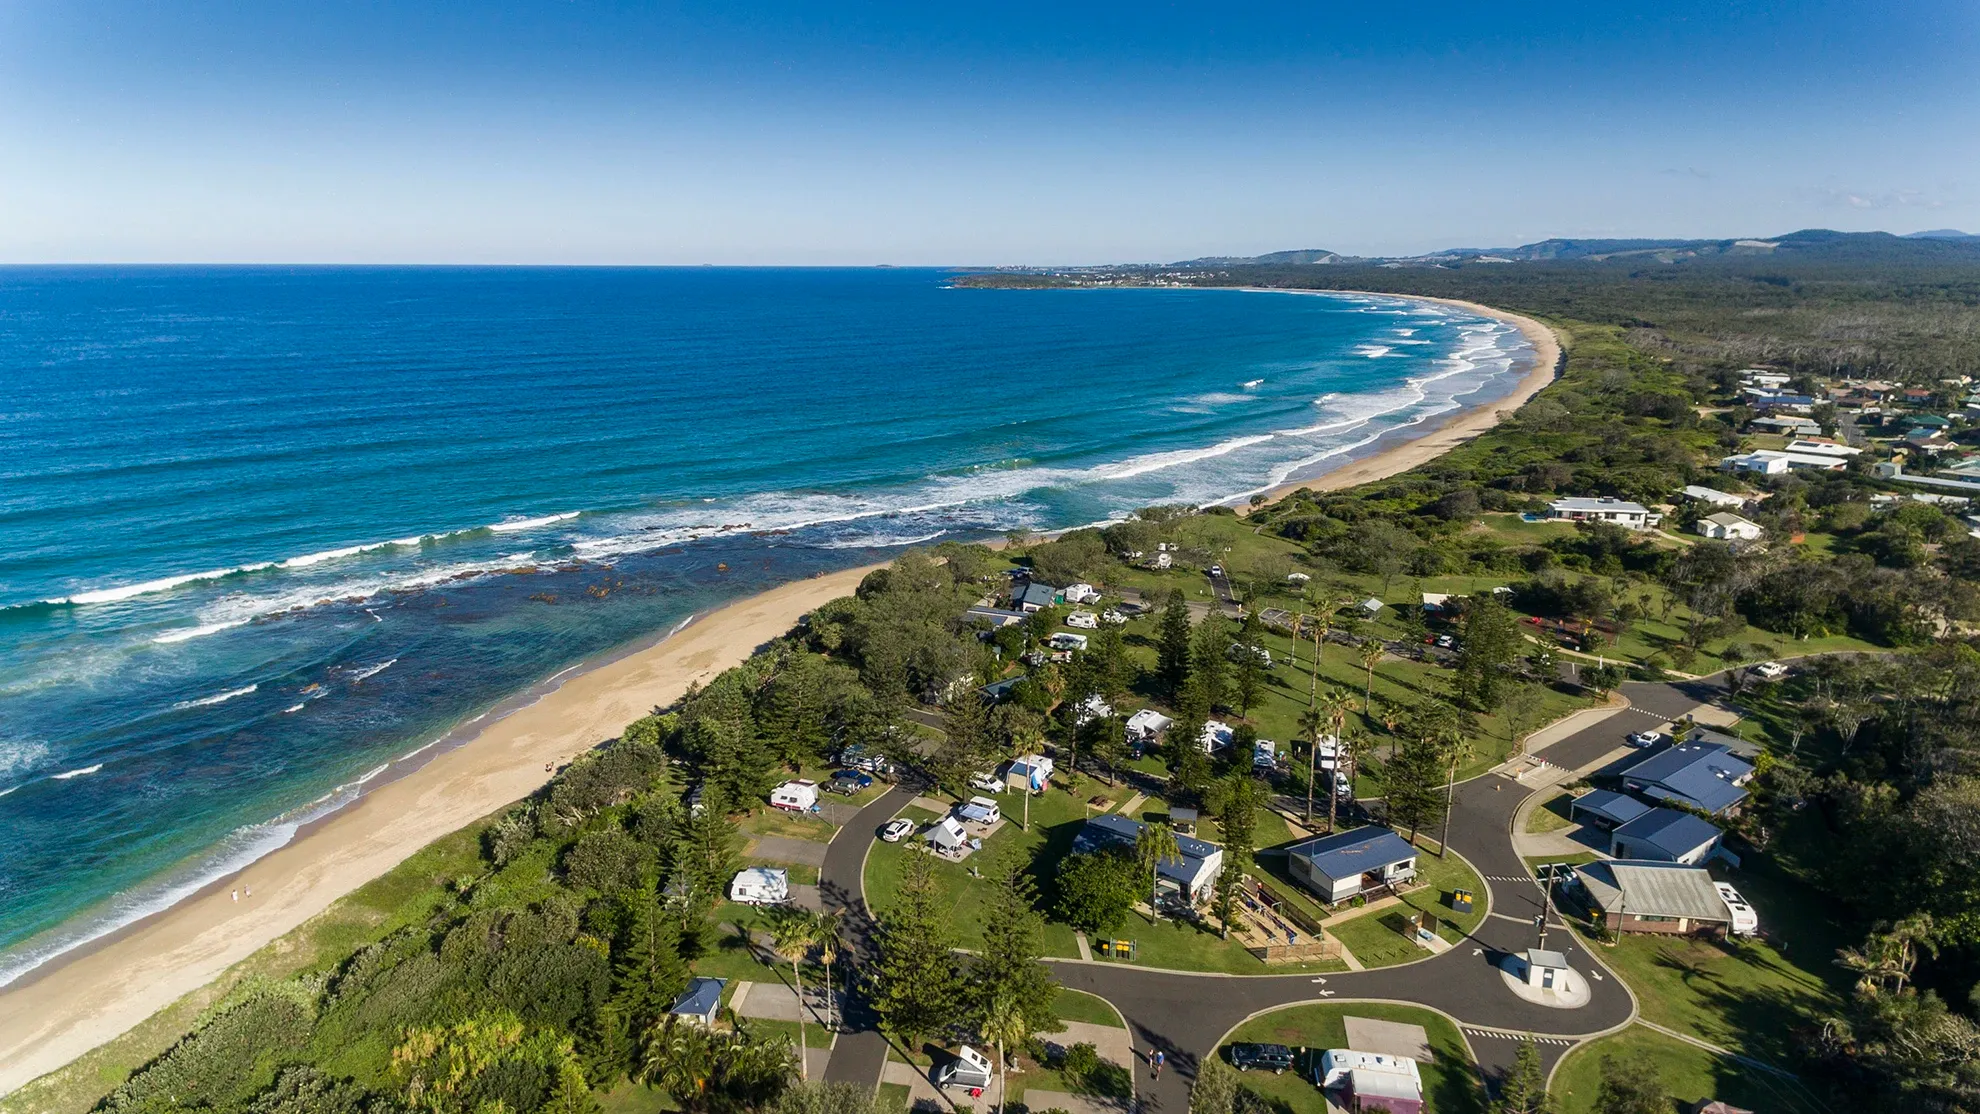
{"type": "Point", "coordinates": [1186, 1014]}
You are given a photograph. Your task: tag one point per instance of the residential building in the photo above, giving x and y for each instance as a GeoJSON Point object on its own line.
{"type": "Point", "coordinates": [1773, 462]}
{"type": "Point", "coordinates": [995, 616]}
{"type": "Point", "coordinates": [1034, 596]}
{"type": "Point", "coordinates": [1339, 866]}
{"type": "Point", "coordinates": [1606, 809]}
{"type": "Point", "coordinates": [1668, 898]}
{"type": "Point", "coordinates": [1630, 516]}
{"type": "Point", "coordinates": [1713, 497]}
{"type": "Point", "coordinates": [1704, 776]}
{"type": "Point", "coordinates": [1726, 526]}
{"type": "Point", "coordinates": [1665, 835]}
{"type": "Point", "coordinates": [701, 1001]}
{"type": "Point", "coordinates": [1820, 446]}
{"type": "Point", "coordinates": [1784, 424]}
{"type": "Point", "coordinates": [1192, 875]}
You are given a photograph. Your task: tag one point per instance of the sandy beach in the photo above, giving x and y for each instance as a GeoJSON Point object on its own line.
{"type": "Point", "coordinates": [96, 993]}
{"type": "Point", "coordinates": [1456, 428]}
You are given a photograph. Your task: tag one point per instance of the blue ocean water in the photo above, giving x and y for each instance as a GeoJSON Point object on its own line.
{"type": "Point", "coordinates": [263, 531]}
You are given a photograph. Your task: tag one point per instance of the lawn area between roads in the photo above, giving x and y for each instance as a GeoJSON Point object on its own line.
{"type": "Point", "coordinates": [1688, 1072]}
{"type": "Point", "coordinates": [1450, 1085]}
{"type": "Point", "coordinates": [1376, 937]}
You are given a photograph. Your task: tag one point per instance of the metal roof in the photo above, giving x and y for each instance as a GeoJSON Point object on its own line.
{"type": "Point", "coordinates": [1675, 833]}
{"type": "Point", "coordinates": [1616, 808]}
{"type": "Point", "coordinates": [1346, 854]}
{"type": "Point", "coordinates": [1605, 503]}
{"type": "Point", "coordinates": [1652, 889]}
{"type": "Point", "coordinates": [1701, 774]}
{"type": "Point", "coordinates": [1119, 831]}
{"type": "Point", "coordinates": [701, 998]}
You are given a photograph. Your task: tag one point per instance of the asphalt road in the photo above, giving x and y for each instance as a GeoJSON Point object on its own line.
{"type": "Point", "coordinates": [861, 1052]}
{"type": "Point", "coordinates": [1185, 1015]}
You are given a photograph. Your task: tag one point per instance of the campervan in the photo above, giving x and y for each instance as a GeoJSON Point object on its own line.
{"type": "Point", "coordinates": [969, 1069]}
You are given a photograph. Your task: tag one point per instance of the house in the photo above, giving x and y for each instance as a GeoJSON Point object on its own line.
{"type": "Point", "coordinates": [701, 1001]}
{"type": "Point", "coordinates": [795, 796]}
{"type": "Point", "coordinates": [1371, 1081]}
{"type": "Point", "coordinates": [1931, 421]}
{"type": "Point", "coordinates": [1145, 725]}
{"type": "Point", "coordinates": [997, 691]}
{"type": "Point", "coordinates": [1726, 526]}
{"type": "Point", "coordinates": [1714, 498]}
{"type": "Point", "coordinates": [1738, 747]}
{"type": "Point", "coordinates": [1760, 463]}
{"type": "Point", "coordinates": [1339, 866]}
{"type": "Point", "coordinates": [1192, 875]}
{"type": "Point", "coordinates": [1036, 597]}
{"type": "Point", "coordinates": [760, 885]}
{"type": "Point", "coordinates": [995, 616]}
{"type": "Point", "coordinates": [1917, 396]}
{"type": "Point", "coordinates": [1605, 809]}
{"type": "Point", "coordinates": [1761, 377]}
{"type": "Point", "coordinates": [1704, 776]}
{"type": "Point", "coordinates": [1793, 404]}
{"type": "Point", "coordinates": [1669, 898]}
{"type": "Point", "coordinates": [1784, 425]}
{"type": "Point", "coordinates": [1820, 446]}
{"type": "Point", "coordinates": [1665, 835]}
{"type": "Point", "coordinates": [1629, 516]}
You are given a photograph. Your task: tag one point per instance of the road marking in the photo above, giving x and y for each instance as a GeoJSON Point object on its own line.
{"type": "Point", "coordinates": [1497, 1034]}
{"type": "Point", "coordinates": [1597, 974]}
{"type": "Point", "coordinates": [1326, 994]}
{"type": "Point", "coordinates": [1478, 951]}
{"type": "Point", "coordinates": [1322, 980]}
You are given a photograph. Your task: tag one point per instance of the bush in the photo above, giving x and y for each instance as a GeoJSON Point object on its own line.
{"type": "Point", "coordinates": [227, 1060]}
{"type": "Point", "coordinates": [606, 862]}
{"type": "Point", "coordinates": [1081, 1060]}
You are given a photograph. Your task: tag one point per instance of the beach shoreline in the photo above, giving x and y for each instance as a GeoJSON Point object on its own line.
{"type": "Point", "coordinates": [96, 992]}
{"type": "Point", "coordinates": [1439, 437]}
{"type": "Point", "coordinates": [92, 994]}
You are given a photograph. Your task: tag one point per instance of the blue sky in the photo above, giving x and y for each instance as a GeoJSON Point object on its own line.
{"type": "Point", "coordinates": [588, 132]}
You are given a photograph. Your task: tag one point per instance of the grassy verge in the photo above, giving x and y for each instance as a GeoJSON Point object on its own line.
{"type": "Point", "coordinates": [1450, 1082]}
{"type": "Point", "coordinates": [1688, 1072]}
{"type": "Point", "coordinates": [1077, 1005]}
{"type": "Point", "coordinates": [1376, 938]}
{"type": "Point", "coordinates": [1551, 815]}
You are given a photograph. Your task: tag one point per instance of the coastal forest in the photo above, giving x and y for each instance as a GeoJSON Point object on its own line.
{"type": "Point", "coordinates": [532, 962]}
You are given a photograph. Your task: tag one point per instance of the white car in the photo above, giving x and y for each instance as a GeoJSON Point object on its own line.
{"type": "Point", "coordinates": [1343, 788]}
{"type": "Point", "coordinates": [1113, 617]}
{"type": "Point", "coordinates": [1645, 738]}
{"type": "Point", "coordinates": [1216, 570]}
{"type": "Point", "coordinates": [987, 782]}
{"type": "Point", "coordinates": [1770, 670]}
{"type": "Point", "coordinates": [1745, 922]}
{"type": "Point", "coordinates": [897, 830]}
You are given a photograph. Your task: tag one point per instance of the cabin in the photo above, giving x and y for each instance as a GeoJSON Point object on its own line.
{"type": "Point", "coordinates": [1729, 527]}
{"type": "Point", "coordinates": [1191, 876]}
{"type": "Point", "coordinates": [1703, 776]}
{"type": "Point", "coordinates": [1665, 835]}
{"type": "Point", "coordinates": [1713, 497]}
{"type": "Point", "coordinates": [1670, 899]}
{"type": "Point", "coordinates": [1339, 866]}
{"type": "Point", "coordinates": [1629, 516]}
{"type": "Point", "coordinates": [700, 1002]}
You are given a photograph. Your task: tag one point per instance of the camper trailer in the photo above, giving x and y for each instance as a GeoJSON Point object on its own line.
{"type": "Point", "coordinates": [795, 796]}
{"type": "Point", "coordinates": [760, 885]}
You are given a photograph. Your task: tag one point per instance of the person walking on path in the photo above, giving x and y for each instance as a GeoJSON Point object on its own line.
{"type": "Point", "coordinates": [1155, 1062]}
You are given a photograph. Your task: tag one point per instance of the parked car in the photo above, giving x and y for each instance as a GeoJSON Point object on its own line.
{"type": "Point", "coordinates": [1745, 922]}
{"type": "Point", "coordinates": [1274, 1058]}
{"type": "Point", "coordinates": [849, 782]}
{"type": "Point", "coordinates": [1770, 671]}
{"type": "Point", "coordinates": [1645, 738]}
{"type": "Point", "coordinates": [987, 782]}
{"type": "Point", "coordinates": [1216, 570]}
{"type": "Point", "coordinates": [1343, 788]}
{"type": "Point", "coordinates": [969, 1069]}
{"type": "Point", "coordinates": [897, 830]}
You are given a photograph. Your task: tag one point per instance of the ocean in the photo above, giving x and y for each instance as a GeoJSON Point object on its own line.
{"type": "Point", "coordinates": [264, 531]}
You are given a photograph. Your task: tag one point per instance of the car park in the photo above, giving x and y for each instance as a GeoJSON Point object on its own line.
{"type": "Point", "coordinates": [897, 830]}
{"type": "Point", "coordinates": [1261, 1057]}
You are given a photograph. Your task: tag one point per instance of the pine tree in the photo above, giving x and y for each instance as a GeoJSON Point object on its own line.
{"type": "Point", "coordinates": [1525, 1088]}
{"type": "Point", "coordinates": [1248, 684]}
{"type": "Point", "coordinates": [648, 972]}
{"type": "Point", "coordinates": [1414, 786]}
{"type": "Point", "coordinates": [915, 983]}
{"type": "Point", "coordinates": [1209, 667]}
{"type": "Point", "coordinates": [1009, 969]}
{"type": "Point", "coordinates": [1173, 658]}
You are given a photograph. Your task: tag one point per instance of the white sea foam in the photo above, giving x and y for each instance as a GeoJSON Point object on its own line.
{"type": "Point", "coordinates": [1253, 384]}
{"type": "Point", "coordinates": [20, 754]}
{"type": "Point", "coordinates": [373, 670]}
{"type": "Point", "coordinates": [216, 698]}
{"type": "Point", "coordinates": [295, 707]}
{"type": "Point", "coordinates": [83, 772]}
{"type": "Point", "coordinates": [162, 584]}
{"type": "Point", "coordinates": [186, 634]}
{"type": "Point", "coordinates": [1220, 398]}
{"type": "Point", "coordinates": [1373, 351]}
{"type": "Point", "coordinates": [533, 523]}
{"type": "Point", "coordinates": [880, 541]}
{"type": "Point", "coordinates": [373, 772]}
{"type": "Point", "coordinates": [9, 789]}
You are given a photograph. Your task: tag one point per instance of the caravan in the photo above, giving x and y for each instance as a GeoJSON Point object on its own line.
{"type": "Point", "coordinates": [795, 796]}
{"type": "Point", "coordinates": [760, 885]}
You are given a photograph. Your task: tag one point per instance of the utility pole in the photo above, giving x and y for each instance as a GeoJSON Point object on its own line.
{"type": "Point", "coordinates": [1547, 905]}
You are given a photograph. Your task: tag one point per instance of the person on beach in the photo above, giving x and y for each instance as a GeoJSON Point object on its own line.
{"type": "Point", "coordinates": [236, 895]}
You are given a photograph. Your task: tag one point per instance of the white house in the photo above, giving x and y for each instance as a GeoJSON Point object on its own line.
{"type": "Point", "coordinates": [1762, 463]}
{"type": "Point", "coordinates": [1714, 497]}
{"type": "Point", "coordinates": [1820, 446]}
{"type": "Point", "coordinates": [1629, 516]}
{"type": "Point", "coordinates": [1726, 526]}
{"type": "Point", "coordinates": [1192, 873]}
{"type": "Point", "coordinates": [795, 796]}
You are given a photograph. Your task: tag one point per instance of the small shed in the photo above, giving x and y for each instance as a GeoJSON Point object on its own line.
{"type": "Point", "coordinates": [1371, 607]}
{"type": "Point", "coordinates": [701, 1001]}
{"type": "Point", "coordinates": [1545, 969]}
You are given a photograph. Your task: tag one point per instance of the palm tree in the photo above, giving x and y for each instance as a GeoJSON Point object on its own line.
{"type": "Point", "coordinates": [1371, 655]}
{"type": "Point", "coordinates": [1156, 843]}
{"type": "Point", "coordinates": [792, 934]}
{"type": "Point", "coordinates": [829, 927]}
{"type": "Point", "coordinates": [1310, 723]}
{"type": "Point", "coordinates": [1456, 748]}
{"type": "Point", "coordinates": [1336, 704]}
{"type": "Point", "coordinates": [679, 1059]}
{"type": "Point", "coordinates": [1004, 1024]}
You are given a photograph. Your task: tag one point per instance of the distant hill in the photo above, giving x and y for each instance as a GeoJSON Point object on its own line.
{"type": "Point", "coordinates": [1813, 244]}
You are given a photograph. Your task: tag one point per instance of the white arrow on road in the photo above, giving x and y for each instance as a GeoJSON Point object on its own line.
{"type": "Point", "coordinates": [1597, 974]}
{"type": "Point", "coordinates": [1326, 994]}
{"type": "Point", "coordinates": [1322, 981]}
{"type": "Point", "coordinates": [1478, 951]}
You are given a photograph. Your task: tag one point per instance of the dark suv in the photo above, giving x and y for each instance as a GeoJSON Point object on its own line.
{"type": "Point", "coordinates": [1264, 1057]}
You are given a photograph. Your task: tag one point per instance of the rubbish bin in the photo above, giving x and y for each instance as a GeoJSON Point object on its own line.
{"type": "Point", "coordinates": [1461, 901]}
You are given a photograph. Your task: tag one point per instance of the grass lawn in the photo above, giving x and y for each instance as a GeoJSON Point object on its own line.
{"type": "Point", "coordinates": [1077, 1005]}
{"type": "Point", "coordinates": [893, 1098]}
{"type": "Point", "coordinates": [635, 1098]}
{"type": "Point", "coordinates": [1690, 1073]}
{"type": "Point", "coordinates": [1450, 1084]}
{"type": "Point", "coordinates": [817, 1036]}
{"type": "Point", "coordinates": [1184, 946]}
{"type": "Point", "coordinates": [777, 822]}
{"type": "Point", "coordinates": [1376, 938]}
{"type": "Point", "coordinates": [1551, 815]}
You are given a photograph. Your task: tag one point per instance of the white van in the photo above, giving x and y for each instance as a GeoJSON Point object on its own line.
{"type": "Point", "coordinates": [1745, 921]}
{"type": "Point", "coordinates": [795, 796]}
{"type": "Point", "coordinates": [969, 1069]}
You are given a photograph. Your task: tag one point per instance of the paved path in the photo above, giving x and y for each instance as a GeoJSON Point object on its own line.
{"type": "Point", "coordinates": [1186, 1014]}
{"type": "Point", "coordinates": [784, 849]}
